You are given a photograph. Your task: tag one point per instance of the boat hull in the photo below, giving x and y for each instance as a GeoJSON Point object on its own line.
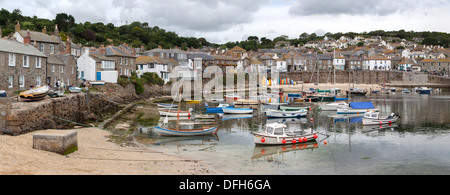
{"type": "Point", "coordinates": [424, 91]}
{"type": "Point", "coordinates": [237, 111]}
{"type": "Point", "coordinates": [355, 111]}
{"type": "Point", "coordinates": [182, 133]}
{"type": "Point", "coordinates": [293, 108]}
{"type": "Point", "coordinates": [285, 114]}
{"type": "Point", "coordinates": [174, 114]}
{"type": "Point", "coordinates": [263, 139]}
{"type": "Point", "coordinates": [369, 121]}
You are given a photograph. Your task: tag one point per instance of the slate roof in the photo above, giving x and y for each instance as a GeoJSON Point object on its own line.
{"type": "Point", "coordinates": [39, 36]}
{"type": "Point", "coordinates": [12, 46]}
{"type": "Point", "coordinates": [115, 51]}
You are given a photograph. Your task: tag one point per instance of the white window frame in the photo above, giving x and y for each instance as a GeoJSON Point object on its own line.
{"type": "Point", "coordinates": [108, 65]}
{"type": "Point", "coordinates": [12, 59]}
{"type": "Point", "coordinates": [42, 49]}
{"type": "Point", "coordinates": [52, 49]}
{"type": "Point", "coordinates": [38, 81]}
{"type": "Point", "coordinates": [53, 68]}
{"type": "Point", "coordinates": [21, 81]}
{"type": "Point", "coordinates": [11, 81]}
{"type": "Point", "coordinates": [62, 69]}
{"type": "Point", "coordinates": [26, 61]}
{"type": "Point", "coordinates": [38, 62]}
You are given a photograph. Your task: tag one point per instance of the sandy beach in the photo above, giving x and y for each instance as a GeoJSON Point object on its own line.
{"type": "Point", "coordinates": [96, 156]}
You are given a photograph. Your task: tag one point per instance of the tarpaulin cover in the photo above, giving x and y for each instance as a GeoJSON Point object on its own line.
{"type": "Point", "coordinates": [362, 105]}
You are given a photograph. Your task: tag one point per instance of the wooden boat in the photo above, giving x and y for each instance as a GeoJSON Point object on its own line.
{"type": "Point", "coordinates": [286, 114]}
{"type": "Point", "coordinates": [373, 118]}
{"type": "Point", "coordinates": [167, 106]}
{"type": "Point", "coordinates": [218, 109]}
{"type": "Point", "coordinates": [358, 108]}
{"type": "Point", "coordinates": [188, 129]}
{"type": "Point", "coordinates": [75, 90]}
{"type": "Point", "coordinates": [424, 90]}
{"type": "Point", "coordinates": [293, 107]}
{"type": "Point", "coordinates": [230, 110]}
{"type": "Point", "coordinates": [174, 113]}
{"type": "Point", "coordinates": [356, 91]}
{"type": "Point", "coordinates": [35, 94]}
{"type": "Point", "coordinates": [246, 102]}
{"type": "Point", "coordinates": [333, 106]}
{"type": "Point", "coordinates": [276, 134]}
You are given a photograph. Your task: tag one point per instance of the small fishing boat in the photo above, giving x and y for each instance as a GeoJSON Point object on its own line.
{"type": "Point", "coordinates": [217, 100]}
{"type": "Point", "coordinates": [35, 94]}
{"type": "Point", "coordinates": [374, 118]}
{"type": "Point", "coordinates": [333, 106]}
{"type": "Point", "coordinates": [246, 102]}
{"type": "Point", "coordinates": [274, 104]}
{"type": "Point", "coordinates": [204, 116]}
{"type": "Point", "coordinates": [218, 109]}
{"type": "Point", "coordinates": [293, 107]}
{"type": "Point", "coordinates": [321, 98]}
{"type": "Point", "coordinates": [167, 106]}
{"type": "Point", "coordinates": [175, 113]}
{"type": "Point", "coordinates": [406, 91]}
{"type": "Point", "coordinates": [286, 114]}
{"type": "Point", "coordinates": [424, 90]}
{"type": "Point", "coordinates": [187, 129]}
{"type": "Point", "coordinates": [75, 90]}
{"type": "Point", "coordinates": [294, 95]}
{"type": "Point", "coordinates": [230, 110]}
{"type": "Point", "coordinates": [358, 108]}
{"type": "Point", "coordinates": [276, 134]}
{"type": "Point", "coordinates": [356, 91]}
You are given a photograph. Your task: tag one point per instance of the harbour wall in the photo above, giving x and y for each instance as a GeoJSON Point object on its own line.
{"type": "Point", "coordinates": [22, 117]}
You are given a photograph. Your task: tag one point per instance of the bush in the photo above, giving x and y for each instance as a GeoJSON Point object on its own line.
{"type": "Point", "coordinates": [139, 87]}
{"type": "Point", "coordinates": [123, 81]}
{"type": "Point", "coordinates": [152, 78]}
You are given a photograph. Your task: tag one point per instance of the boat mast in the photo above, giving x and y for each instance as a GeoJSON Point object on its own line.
{"type": "Point", "coordinates": [179, 104]}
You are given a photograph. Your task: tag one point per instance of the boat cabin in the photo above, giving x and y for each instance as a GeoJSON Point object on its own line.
{"type": "Point", "coordinates": [375, 115]}
{"type": "Point", "coordinates": [276, 129]}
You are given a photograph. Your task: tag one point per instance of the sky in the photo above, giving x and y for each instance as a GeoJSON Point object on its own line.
{"type": "Point", "coordinates": [220, 21]}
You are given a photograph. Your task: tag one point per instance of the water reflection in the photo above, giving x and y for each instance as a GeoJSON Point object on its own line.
{"type": "Point", "coordinates": [417, 144]}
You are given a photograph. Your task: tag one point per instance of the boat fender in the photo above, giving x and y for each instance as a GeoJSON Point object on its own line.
{"type": "Point", "coordinates": [263, 140]}
{"type": "Point", "coordinates": [284, 141]}
{"type": "Point", "coordinates": [306, 139]}
{"type": "Point", "coordinates": [294, 141]}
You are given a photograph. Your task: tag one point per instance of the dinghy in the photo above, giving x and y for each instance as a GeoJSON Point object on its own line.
{"type": "Point", "coordinates": [35, 94]}
{"type": "Point", "coordinates": [373, 118]}
{"type": "Point", "coordinates": [358, 108]}
{"type": "Point", "coordinates": [75, 90]}
{"type": "Point", "coordinates": [286, 114]}
{"type": "Point", "coordinates": [230, 110]}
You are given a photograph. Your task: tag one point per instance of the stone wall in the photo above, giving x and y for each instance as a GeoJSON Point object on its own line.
{"type": "Point", "coordinates": [27, 117]}
{"type": "Point", "coordinates": [366, 77]}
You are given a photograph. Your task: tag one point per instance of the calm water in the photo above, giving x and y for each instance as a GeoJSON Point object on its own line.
{"type": "Point", "coordinates": [418, 144]}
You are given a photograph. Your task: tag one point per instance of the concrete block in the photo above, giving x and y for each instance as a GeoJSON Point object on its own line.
{"type": "Point", "coordinates": [58, 141]}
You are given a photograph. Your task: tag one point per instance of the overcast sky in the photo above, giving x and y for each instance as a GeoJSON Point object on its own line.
{"type": "Point", "coordinates": [220, 21]}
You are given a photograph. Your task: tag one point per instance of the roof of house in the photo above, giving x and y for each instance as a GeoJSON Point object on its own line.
{"type": "Point", "coordinates": [99, 57]}
{"type": "Point", "coordinates": [12, 46]}
{"type": "Point", "coordinates": [39, 36]}
{"type": "Point", "coordinates": [436, 60]}
{"type": "Point", "coordinates": [115, 51]}
{"type": "Point", "coordinates": [157, 60]}
{"type": "Point", "coordinates": [53, 59]}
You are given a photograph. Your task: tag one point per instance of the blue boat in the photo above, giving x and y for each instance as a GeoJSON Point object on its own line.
{"type": "Point", "coordinates": [218, 109]}
{"type": "Point", "coordinates": [293, 95]}
{"type": "Point", "coordinates": [358, 108]}
{"type": "Point", "coordinates": [3, 93]}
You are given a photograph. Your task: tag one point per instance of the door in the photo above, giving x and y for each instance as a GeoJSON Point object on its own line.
{"type": "Point", "coordinates": [99, 76]}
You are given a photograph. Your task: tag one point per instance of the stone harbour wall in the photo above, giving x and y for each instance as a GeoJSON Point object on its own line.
{"type": "Point", "coordinates": [27, 117]}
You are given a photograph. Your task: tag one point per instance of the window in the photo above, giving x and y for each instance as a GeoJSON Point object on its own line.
{"type": "Point", "coordinates": [53, 68]}
{"type": "Point", "coordinates": [108, 65]}
{"type": "Point", "coordinates": [42, 47]}
{"type": "Point", "coordinates": [21, 81]}
{"type": "Point", "coordinates": [11, 81]}
{"type": "Point", "coordinates": [126, 61]}
{"type": "Point", "coordinates": [38, 62]}
{"type": "Point", "coordinates": [52, 49]}
{"type": "Point", "coordinates": [38, 81]}
{"type": "Point", "coordinates": [26, 61]}
{"type": "Point", "coordinates": [12, 59]}
{"type": "Point", "coordinates": [62, 69]}
{"type": "Point", "coordinates": [152, 65]}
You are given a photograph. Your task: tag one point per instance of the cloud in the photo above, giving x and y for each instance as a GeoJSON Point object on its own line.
{"type": "Point", "coordinates": [353, 7]}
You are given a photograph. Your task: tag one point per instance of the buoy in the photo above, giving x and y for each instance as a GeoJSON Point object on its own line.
{"type": "Point", "coordinates": [315, 136]}
{"type": "Point", "coordinates": [263, 140]}
{"type": "Point", "coordinates": [390, 122]}
{"type": "Point", "coordinates": [381, 122]}
{"type": "Point", "coordinates": [284, 141]}
{"type": "Point", "coordinates": [293, 141]}
{"type": "Point", "coordinates": [325, 142]}
{"type": "Point", "coordinates": [305, 140]}
{"type": "Point", "coordinates": [312, 120]}
{"type": "Point", "coordinates": [300, 140]}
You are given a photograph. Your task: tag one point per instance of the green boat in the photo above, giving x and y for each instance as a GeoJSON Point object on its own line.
{"type": "Point", "coordinates": [321, 98]}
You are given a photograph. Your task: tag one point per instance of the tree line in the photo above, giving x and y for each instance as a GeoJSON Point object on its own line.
{"type": "Point", "coordinates": [139, 34]}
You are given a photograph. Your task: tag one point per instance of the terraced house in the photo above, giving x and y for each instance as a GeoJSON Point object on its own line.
{"type": "Point", "coordinates": [22, 66]}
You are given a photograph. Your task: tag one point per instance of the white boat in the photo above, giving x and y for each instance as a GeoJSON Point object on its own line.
{"type": "Point", "coordinates": [204, 116]}
{"type": "Point", "coordinates": [274, 104]}
{"type": "Point", "coordinates": [229, 110]}
{"type": "Point", "coordinates": [167, 106]}
{"type": "Point", "coordinates": [188, 129]}
{"type": "Point", "coordinates": [406, 91]}
{"type": "Point", "coordinates": [175, 113]}
{"type": "Point", "coordinates": [246, 102]}
{"type": "Point", "coordinates": [373, 118]}
{"type": "Point", "coordinates": [35, 94]}
{"type": "Point", "coordinates": [276, 134]}
{"type": "Point", "coordinates": [75, 90]}
{"type": "Point", "coordinates": [358, 108]}
{"type": "Point", "coordinates": [333, 106]}
{"type": "Point", "coordinates": [286, 114]}
{"type": "Point", "coordinates": [233, 97]}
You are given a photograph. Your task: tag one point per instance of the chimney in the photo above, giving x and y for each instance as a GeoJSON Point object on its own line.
{"type": "Point", "coordinates": [56, 33]}
{"type": "Point", "coordinates": [27, 39]}
{"type": "Point", "coordinates": [44, 30]}
{"type": "Point", "coordinates": [159, 47]}
{"type": "Point", "coordinates": [102, 50]}
{"type": "Point", "coordinates": [68, 46]}
{"type": "Point", "coordinates": [1, 36]}
{"type": "Point", "coordinates": [17, 27]}
{"type": "Point", "coordinates": [86, 51]}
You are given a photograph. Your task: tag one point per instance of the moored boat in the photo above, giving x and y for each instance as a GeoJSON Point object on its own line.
{"type": "Point", "coordinates": [286, 114]}
{"type": "Point", "coordinates": [174, 113]}
{"type": "Point", "coordinates": [276, 134]}
{"type": "Point", "coordinates": [75, 90]}
{"type": "Point", "coordinates": [358, 108]}
{"type": "Point", "coordinates": [218, 109]}
{"type": "Point", "coordinates": [424, 90]}
{"type": "Point", "coordinates": [34, 94]}
{"type": "Point", "coordinates": [293, 107]}
{"type": "Point", "coordinates": [246, 102]}
{"type": "Point", "coordinates": [167, 106]}
{"type": "Point", "coordinates": [356, 91]}
{"type": "Point", "coordinates": [188, 129]}
{"type": "Point", "coordinates": [230, 110]}
{"type": "Point", "coordinates": [374, 118]}
{"type": "Point", "coordinates": [333, 106]}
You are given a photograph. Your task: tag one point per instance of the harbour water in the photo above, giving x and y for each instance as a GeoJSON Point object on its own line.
{"type": "Point", "coordinates": [418, 144]}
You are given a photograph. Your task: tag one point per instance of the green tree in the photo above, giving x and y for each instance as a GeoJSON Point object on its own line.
{"type": "Point", "coordinates": [64, 21]}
